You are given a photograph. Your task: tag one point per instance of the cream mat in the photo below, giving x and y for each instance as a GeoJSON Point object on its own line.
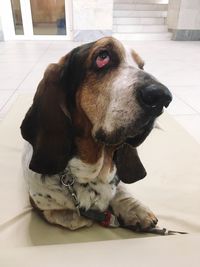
{"type": "Point", "coordinates": [179, 251]}
{"type": "Point", "coordinates": [171, 189]}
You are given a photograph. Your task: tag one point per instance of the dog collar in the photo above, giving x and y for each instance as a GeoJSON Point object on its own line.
{"type": "Point", "coordinates": [106, 218]}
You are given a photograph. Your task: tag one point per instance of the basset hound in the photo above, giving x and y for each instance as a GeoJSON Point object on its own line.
{"type": "Point", "coordinates": [90, 112]}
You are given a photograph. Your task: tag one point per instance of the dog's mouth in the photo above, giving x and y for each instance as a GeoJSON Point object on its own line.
{"type": "Point", "coordinates": [133, 135]}
{"type": "Point", "coordinates": [139, 137]}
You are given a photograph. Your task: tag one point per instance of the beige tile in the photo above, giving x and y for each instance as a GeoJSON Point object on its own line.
{"type": "Point", "coordinates": [31, 82]}
{"type": "Point", "coordinates": [8, 104]}
{"type": "Point", "coordinates": [178, 107]}
{"type": "Point", "coordinates": [4, 97]}
{"type": "Point", "coordinates": [192, 98]}
{"type": "Point", "coordinates": [179, 90]}
{"type": "Point", "coordinates": [190, 123]}
{"type": "Point", "coordinates": [63, 45]}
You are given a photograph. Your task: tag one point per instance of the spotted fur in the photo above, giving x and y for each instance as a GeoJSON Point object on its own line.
{"type": "Point", "coordinates": [89, 120]}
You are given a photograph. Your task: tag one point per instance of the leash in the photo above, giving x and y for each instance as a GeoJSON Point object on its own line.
{"type": "Point", "coordinates": [106, 218]}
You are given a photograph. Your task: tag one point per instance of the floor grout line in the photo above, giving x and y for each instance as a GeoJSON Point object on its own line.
{"type": "Point", "coordinates": [179, 115]}
{"type": "Point", "coordinates": [181, 99]}
{"type": "Point", "coordinates": [15, 90]}
{"type": "Point", "coordinates": [3, 106]}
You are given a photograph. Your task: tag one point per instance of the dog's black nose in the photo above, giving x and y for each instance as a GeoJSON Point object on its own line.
{"type": "Point", "coordinates": [155, 95]}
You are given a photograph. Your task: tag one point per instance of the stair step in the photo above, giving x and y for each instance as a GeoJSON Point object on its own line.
{"type": "Point", "coordinates": [141, 7]}
{"type": "Point", "coordinates": [143, 36]}
{"type": "Point", "coordinates": [139, 14]}
{"type": "Point", "coordinates": [141, 1]}
{"type": "Point", "coordinates": [143, 21]}
{"type": "Point", "coordinates": [139, 28]}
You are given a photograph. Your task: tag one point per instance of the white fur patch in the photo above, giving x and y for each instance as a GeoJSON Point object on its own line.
{"type": "Point", "coordinates": [83, 171]}
{"type": "Point", "coordinates": [123, 106]}
{"type": "Point", "coordinates": [48, 194]}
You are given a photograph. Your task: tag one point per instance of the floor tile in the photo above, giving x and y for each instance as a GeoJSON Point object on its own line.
{"type": "Point", "coordinates": [4, 97]}
{"type": "Point", "coordinates": [12, 74]}
{"type": "Point", "coordinates": [178, 90]}
{"type": "Point", "coordinates": [20, 57]}
{"type": "Point", "coordinates": [31, 82]}
{"type": "Point", "coordinates": [191, 123]}
{"type": "Point", "coordinates": [63, 45]}
{"type": "Point", "coordinates": [178, 107]}
{"type": "Point", "coordinates": [10, 101]}
{"type": "Point", "coordinates": [192, 98]}
{"type": "Point", "coordinates": [10, 83]}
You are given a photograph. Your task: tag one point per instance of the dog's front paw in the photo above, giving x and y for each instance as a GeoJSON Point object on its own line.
{"type": "Point", "coordinates": [139, 217]}
{"type": "Point", "coordinates": [132, 213]}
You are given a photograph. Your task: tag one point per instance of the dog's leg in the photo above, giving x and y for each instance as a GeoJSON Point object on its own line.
{"type": "Point", "coordinates": [131, 211]}
{"type": "Point", "coordinates": [66, 218]}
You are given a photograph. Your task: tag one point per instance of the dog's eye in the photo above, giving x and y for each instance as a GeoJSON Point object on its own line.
{"type": "Point", "coordinates": [102, 59]}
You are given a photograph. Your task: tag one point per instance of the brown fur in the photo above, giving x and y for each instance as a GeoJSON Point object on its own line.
{"type": "Point", "coordinates": [44, 118]}
{"type": "Point", "coordinates": [107, 42]}
{"type": "Point", "coordinates": [137, 59]}
{"type": "Point", "coordinates": [88, 150]}
{"type": "Point", "coordinates": [52, 124]}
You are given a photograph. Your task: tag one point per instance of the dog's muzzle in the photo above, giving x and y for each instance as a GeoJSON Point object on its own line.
{"type": "Point", "coordinates": [152, 97]}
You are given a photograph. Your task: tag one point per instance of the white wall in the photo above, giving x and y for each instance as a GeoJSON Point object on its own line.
{"type": "Point", "coordinates": [91, 17]}
{"type": "Point", "coordinates": [173, 13]}
{"type": "Point", "coordinates": [189, 17]}
{"type": "Point", "coordinates": [1, 31]}
{"type": "Point", "coordinates": [184, 14]}
{"type": "Point", "coordinates": [92, 14]}
{"type": "Point", "coordinates": [7, 25]}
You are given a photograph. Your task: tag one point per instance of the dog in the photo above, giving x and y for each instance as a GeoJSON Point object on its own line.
{"type": "Point", "coordinates": [90, 112]}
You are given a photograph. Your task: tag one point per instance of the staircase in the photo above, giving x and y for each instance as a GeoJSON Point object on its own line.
{"type": "Point", "coordinates": [140, 20]}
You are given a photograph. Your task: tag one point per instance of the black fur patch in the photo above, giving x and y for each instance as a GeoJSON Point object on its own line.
{"type": "Point", "coordinates": [74, 71]}
{"type": "Point", "coordinates": [129, 166]}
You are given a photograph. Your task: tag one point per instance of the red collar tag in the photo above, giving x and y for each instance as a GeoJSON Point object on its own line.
{"type": "Point", "coordinates": [110, 220]}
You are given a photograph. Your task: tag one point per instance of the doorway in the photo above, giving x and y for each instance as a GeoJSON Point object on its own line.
{"type": "Point", "coordinates": [37, 19]}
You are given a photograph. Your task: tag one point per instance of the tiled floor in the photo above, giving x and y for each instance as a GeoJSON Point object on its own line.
{"type": "Point", "coordinates": [176, 64]}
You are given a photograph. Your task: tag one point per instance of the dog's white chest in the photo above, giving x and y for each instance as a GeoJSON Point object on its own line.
{"type": "Point", "coordinates": [49, 194]}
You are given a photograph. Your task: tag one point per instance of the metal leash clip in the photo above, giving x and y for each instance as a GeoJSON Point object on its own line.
{"type": "Point", "coordinates": [69, 185]}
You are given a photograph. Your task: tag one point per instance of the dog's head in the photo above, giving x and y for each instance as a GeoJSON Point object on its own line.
{"type": "Point", "coordinates": [99, 87]}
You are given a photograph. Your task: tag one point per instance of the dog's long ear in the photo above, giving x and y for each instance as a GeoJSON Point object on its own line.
{"type": "Point", "coordinates": [47, 125]}
{"type": "Point", "coordinates": [129, 166]}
